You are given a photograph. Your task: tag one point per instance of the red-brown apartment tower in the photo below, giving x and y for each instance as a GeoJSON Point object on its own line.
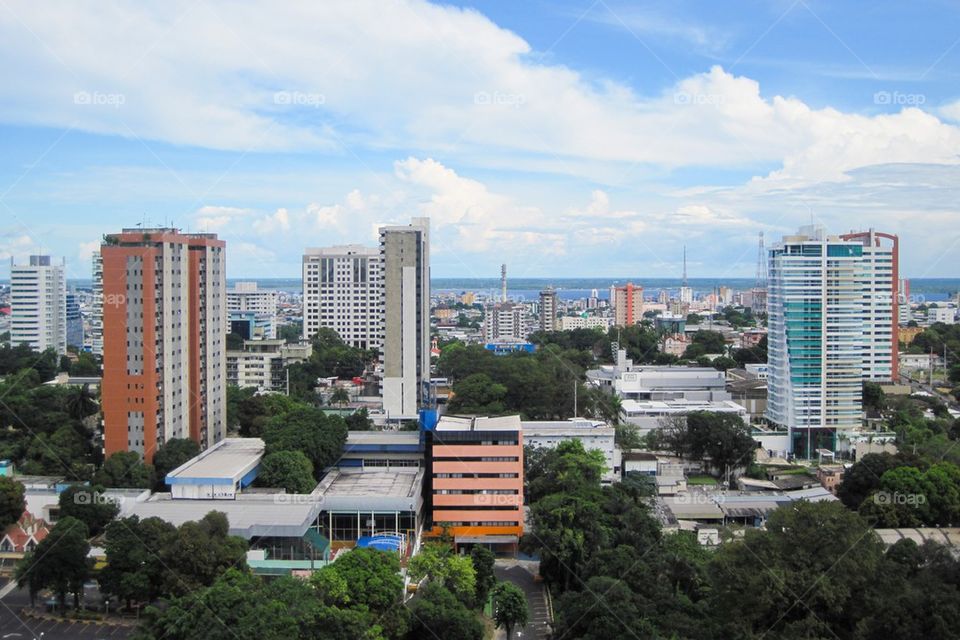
{"type": "Point", "coordinates": [627, 303]}
{"type": "Point", "coordinates": [880, 282]}
{"type": "Point", "coordinates": [164, 324]}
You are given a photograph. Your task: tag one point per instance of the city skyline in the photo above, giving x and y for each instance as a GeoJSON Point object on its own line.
{"type": "Point", "coordinates": [596, 138]}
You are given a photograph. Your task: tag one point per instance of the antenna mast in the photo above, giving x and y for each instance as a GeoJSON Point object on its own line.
{"type": "Point", "coordinates": [761, 265]}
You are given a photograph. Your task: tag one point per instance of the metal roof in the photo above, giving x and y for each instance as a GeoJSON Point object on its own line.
{"type": "Point", "coordinates": [231, 458]}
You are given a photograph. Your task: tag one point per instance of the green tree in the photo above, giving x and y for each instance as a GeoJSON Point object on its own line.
{"type": "Point", "coordinates": [605, 609]}
{"type": "Point", "coordinates": [479, 394]}
{"type": "Point", "coordinates": [509, 607]}
{"type": "Point", "coordinates": [310, 431]}
{"type": "Point", "coordinates": [59, 563]}
{"type": "Point", "coordinates": [89, 505]}
{"type": "Point", "coordinates": [199, 553]}
{"type": "Point", "coordinates": [12, 503]}
{"type": "Point", "coordinates": [820, 552]}
{"type": "Point", "coordinates": [125, 469]}
{"type": "Point", "coordinates": [483, 562]}
{"type": "Point", "coordinates": [863, 478]}
{"type": "Point", "coordinates": [236, 605]}
{"type": "Point", "coordinates": [134, 571]}
{"type": "Point", "coordinates": [566, 468]}
{"type": "Point", "coordinates": [436, 612]}
{"type": "Point", "coordinates": [437, 562]}
{"type": "Point", "coordinates": [171, 454]}
{"type": "Point", "coordinates": [288, 470]}
{"type": "Point", "coordinates": [340, 397]}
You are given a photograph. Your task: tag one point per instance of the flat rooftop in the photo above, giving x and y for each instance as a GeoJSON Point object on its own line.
{"type": "Point", "coordinates": [231, 459]}
{"type": "Point", "coordinates": [383, 437]}
{"type": "Point", "coordinates": [479, 423]}
{"type": "Point", "coordinates": [373, 483]}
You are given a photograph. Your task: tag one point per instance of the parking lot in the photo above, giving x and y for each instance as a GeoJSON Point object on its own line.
{"type": "Point", "coordinates": [14, 625]}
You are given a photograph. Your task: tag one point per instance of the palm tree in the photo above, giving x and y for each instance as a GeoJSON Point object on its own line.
{"type": "Point", "coordinates": [81, 402]}
{"type": "Point", "coordinates": [340, 397]}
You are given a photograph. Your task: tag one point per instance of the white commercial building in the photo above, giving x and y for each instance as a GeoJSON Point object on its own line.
{"type": "Point", "coordinates": [816, 337]}
{"type": "Point", "coordinates": [592, 433]}
{"type": "Point", "coordinates": [405, 259]}
{"type": "Point", "coordinates": [342, 290]}
{"type": "Point", "coordinates": [218, 473]}
{"type": "Point", "coordinates": [95, 335]}
{"type": "Point", "coordinates": [648, 415]}
{"type": "Point", "coordinates": [38, 305]}
{"type": "Point", "coordinates": [569, 323]}
{"type": "Point", "coordinates": [246, 296]}
{"type": "Point", "coordinates": [261, 364]}
{"type": "Point", "coordinates": [879, 283]}
{"type": "Point", "coordinates": [506, 321]}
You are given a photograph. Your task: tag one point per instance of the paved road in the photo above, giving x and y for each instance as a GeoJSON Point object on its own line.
{"type": "Point", "coordinates": [537, 628]}
{"type": "Point", "coordinates": [13, 626]}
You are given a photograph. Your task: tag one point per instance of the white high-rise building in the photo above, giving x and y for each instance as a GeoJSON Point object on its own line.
{"type": "Point", "coordinates": [38, 305]}
{"type": "Point", "coordinates": [342, 290]}
{"type": "Point", "coordinates": [880, 286]}
{"type": "Point", "coordinates": [506, 321]}
{"type": "Point", "coordinates": [96, 307]}
{"type": "Point", "coordinates": [548, 309]}
{"type": "Point", "coordinates": [816, 341]}
{"type": "Point", "coordinates": [246, 296]}
{"type": "Point", "coordinates": [405, 256]}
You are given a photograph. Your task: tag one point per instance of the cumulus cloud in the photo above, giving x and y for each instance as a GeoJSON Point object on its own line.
{"type": "Point", "coordinates": [279, 220]}
{"type": "Point", "coordinates": [213, 218]}
{"type": "Point", "coordinates": [255, 77]}
{"type": "Point", "coordinates": [15, 246]}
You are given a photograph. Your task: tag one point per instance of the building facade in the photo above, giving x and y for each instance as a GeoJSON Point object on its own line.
{"type": "Point", "coordinates": [548, 310]}
{"type": "Point", "coordinates": [405, 258]}
{"type": "Point", "coordinates": [38, 305]}
{"type": "Point", "coordinates": [476, 480]}
{"type": "Point", "coordinates": [74, 321]}
{"type": "Point", "coordinates": [627, 304]}
{"type": "Point", "coordinates": [95, 339]}
{"type": "Point", "coordinates": [262, 364]}
{"type": "Point", "coordinates": [505, 321]}
{"type": "Point", "coordinates": [164, 373]}
{"type": "Point", "coordinates": [880, 286]}
{"type": "Point", "coordinates": [342, 290]}
{"type": "Point", "coordinates": [247, 297]}
{"type": "Point", "coordinates": [815, 339]}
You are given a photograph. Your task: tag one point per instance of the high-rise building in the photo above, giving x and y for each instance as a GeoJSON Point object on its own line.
{"type": "Point", "coordinates": [505, 321]}
{"type": "Point", "coordinates": [627, 304]}
{"type": "Point", "coordinates": [903, 304]}
{"type": "Point", "coordinates": [815, 352]}
{"type": "Point", "coordinates": [548, 310]}
{"type": "Point", "coordinates": [246, 296]}
{"type": "Point", "coordinates": [164, 360]}
{"type": "Point", "coordinates": [880, 286]}
{"type": "Point", "coordinates": [38, 305]}
{"type": "Point", "coordinates": [342, 290]}
{"type": "Point", "coordinates": [74, 321]}
{"type": "Point", "coordinates": [405, 258]}
{"type": "Point", "coordinates": [96, 306]}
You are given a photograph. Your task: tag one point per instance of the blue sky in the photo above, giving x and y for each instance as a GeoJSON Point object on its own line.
{"type": "Point", "coordinates": [563, 138]}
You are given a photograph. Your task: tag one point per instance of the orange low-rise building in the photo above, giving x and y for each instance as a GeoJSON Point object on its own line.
{"type": "Point", "coordinates": [476, 480]}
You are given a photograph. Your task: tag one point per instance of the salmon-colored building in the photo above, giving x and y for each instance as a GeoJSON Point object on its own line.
{"type": "Point", "coordinates": [627, 303]}
{"type": "Point", "coordinates": [476, 480]}
{"type": "Point", "coordinates": [164, 356]}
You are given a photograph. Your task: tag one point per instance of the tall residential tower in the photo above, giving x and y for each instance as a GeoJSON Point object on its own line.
{"type": "Point", "coordinates": [405, 257]}
{"type": "Point", "coordinates": [164, 360]}
{"type": "Point", "coordinates": [816, 327]}
{"type": "Point", "coordinates": [342, 291]}
{"type": "Point", "coordinates": [38, 305]}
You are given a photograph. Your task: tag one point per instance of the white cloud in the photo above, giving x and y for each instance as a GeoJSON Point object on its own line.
{"type": "Point", "coordinates": [951, 111]}
{"type": "Point", "coordinates": [278, 221]}
{"type": "Point", "coordinates": [86, 249]}
{"type": "Point", "coordinates": [214, 218]}
{"type": "Point", "coordinates": [413, 75]}
{"type": "Point", "coordinates": [15, 246]}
